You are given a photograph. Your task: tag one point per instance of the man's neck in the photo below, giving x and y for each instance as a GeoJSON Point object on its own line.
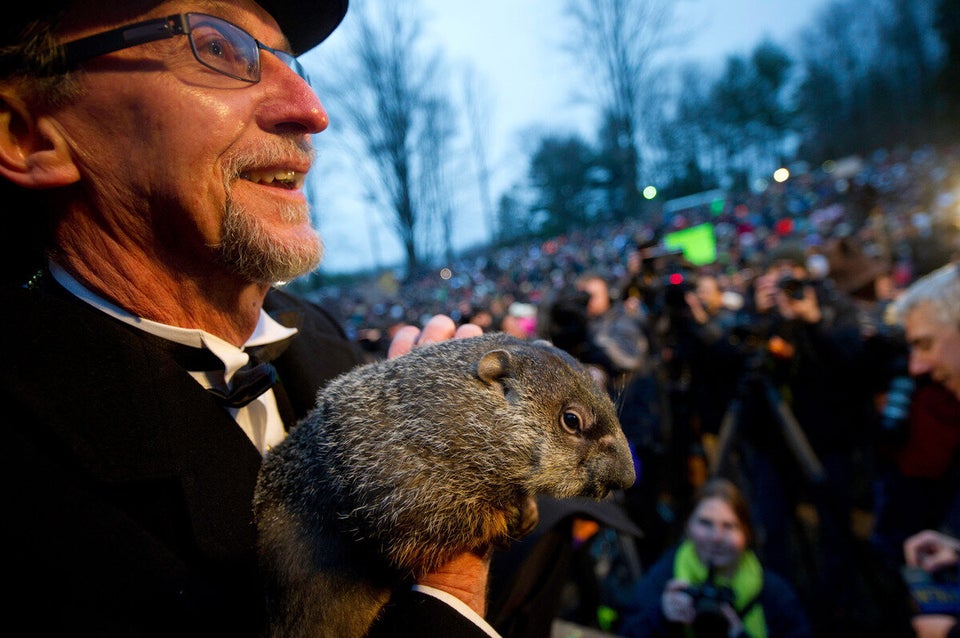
{"type": "Point", "coordinates": [227, 309]}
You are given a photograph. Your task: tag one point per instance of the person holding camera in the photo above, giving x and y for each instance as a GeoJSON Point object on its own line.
{"type": "Point", "coordinates": [934, 552]}
{"type": "Point", "coordinates": [802, 430]}
{"type": "Point", "coordinates": [712, 584]}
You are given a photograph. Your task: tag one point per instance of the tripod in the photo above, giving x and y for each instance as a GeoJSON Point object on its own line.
{"type": "Point", "coordinates": [790, 429]}
{"type": "Point", "coordinates": [755, 384]}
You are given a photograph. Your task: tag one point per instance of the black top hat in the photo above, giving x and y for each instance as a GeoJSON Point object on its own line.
{"type": "Point", "coordinates": [306, 23]}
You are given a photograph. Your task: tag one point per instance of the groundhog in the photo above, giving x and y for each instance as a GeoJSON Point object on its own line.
{"type": "Point", "coordinates": [404, 464]}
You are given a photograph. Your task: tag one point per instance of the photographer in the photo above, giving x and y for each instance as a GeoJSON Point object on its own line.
{"type": "Point", "coordinates": [933, 551]}
{"type": "Point", "coordinates": [712, 583]}
{"type": "Point", "coordinates": [802, 429]}
{"type": "Point", "coordinates": [600, 331]}
{"type": "Point", "coordinates": [714, 357]}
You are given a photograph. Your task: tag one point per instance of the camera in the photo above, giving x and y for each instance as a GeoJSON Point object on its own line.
{"type": "Point", "coordinates": [708, 599]}
{"type": "Point", "coordinates": [792, 286]}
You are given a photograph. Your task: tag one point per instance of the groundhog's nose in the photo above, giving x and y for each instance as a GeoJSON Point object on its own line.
{"type": "Point", "coordinates": [628, 474]}
{"type": "Point", "coordinates": [614, 468]}
{"type": "Point", "coordinates": [625, 470]}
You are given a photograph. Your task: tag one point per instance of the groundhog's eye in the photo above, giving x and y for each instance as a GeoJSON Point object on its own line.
{"type": "Point", "coordinates": [571, 422]}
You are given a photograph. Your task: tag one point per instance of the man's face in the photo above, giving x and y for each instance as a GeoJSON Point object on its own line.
{"type": "Point", "coordinates": [194, 168]}
{"type": "Point", "coordinates": [934, 347]}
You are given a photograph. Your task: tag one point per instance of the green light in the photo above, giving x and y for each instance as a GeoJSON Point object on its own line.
{"type": "Point", "coordinates": [650, 192]}
{"type": "Point", "coordinates": [698, 243]}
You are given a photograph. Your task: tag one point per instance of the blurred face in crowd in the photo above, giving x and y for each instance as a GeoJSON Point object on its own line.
{"type": "Point", "coordinates": [209, 167]}
{"type": "Point", "coordinates": [512, 326]}
{"type": "Point", "coordinates": [709, 292]}
{"type": "Point", "coordinates": [599, 292]}
{"type": "Point", "coordinates": [717, 534]}
{"type": "Point", "coordinates": [934, 347]}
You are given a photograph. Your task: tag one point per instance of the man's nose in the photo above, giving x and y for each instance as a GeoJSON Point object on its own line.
{"type": "Point", "coordinates": [295, 105]}
{"type": "Point", "coordinates": [919, 364]}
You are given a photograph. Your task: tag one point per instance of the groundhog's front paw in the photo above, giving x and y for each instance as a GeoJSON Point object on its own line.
{"type": "Point", "coordinates": [524, 519]}
{"type": "Point", "coordinates": [520, 519]}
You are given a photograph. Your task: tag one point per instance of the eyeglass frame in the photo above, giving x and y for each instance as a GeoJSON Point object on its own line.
{"type": "Point", "coordinates": [131, 35]}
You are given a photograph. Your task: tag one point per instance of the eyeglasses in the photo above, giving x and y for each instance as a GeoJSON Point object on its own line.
{"type": "Point", "coordinates": [216, 44]}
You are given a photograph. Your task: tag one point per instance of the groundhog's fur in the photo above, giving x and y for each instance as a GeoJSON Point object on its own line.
{"type": "Point", "coordinates": [404, 464]}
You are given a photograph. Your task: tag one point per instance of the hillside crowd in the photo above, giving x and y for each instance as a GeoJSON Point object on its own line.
{"type": "Point", "coordinates": [899, 206]}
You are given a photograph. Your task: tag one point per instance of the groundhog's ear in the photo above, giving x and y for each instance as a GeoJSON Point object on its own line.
{"type": "Point", "coordinates": [493, 366]}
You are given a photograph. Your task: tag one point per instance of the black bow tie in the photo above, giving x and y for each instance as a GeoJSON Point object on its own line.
{"type": "Point", "coordinates": [247, 383]}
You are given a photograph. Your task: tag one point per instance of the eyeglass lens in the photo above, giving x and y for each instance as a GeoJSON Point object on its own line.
{"type": "Point", "coordinates": [224, 47]}
{"type": "Point", "coordinates": [230, 50]}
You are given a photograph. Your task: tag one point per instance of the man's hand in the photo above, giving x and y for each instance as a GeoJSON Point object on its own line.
{"type": "Point", "coordinates": [765, 292]}
{"type": "Point", "coordinates": [806, 309]}
{"type": "Point", "coordinates": [438, 328]}
{"type": "Point", "coordinates": [932, 625]}
{"type": "Point", "coordinates": [931, 550]}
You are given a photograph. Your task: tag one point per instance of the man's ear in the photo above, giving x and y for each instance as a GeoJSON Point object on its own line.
{"type": "Point", "coordinates": [33, 152]}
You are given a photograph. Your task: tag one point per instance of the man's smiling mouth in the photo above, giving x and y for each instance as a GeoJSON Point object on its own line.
{"type": "Point", "coordinates": [288, 179]}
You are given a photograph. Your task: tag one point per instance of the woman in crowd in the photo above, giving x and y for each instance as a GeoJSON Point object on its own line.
{"type": "Point", "coordinates": [712, 583]}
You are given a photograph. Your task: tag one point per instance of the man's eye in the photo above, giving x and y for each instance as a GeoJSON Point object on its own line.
{"type": "Point", "coordinates": [216, 48]}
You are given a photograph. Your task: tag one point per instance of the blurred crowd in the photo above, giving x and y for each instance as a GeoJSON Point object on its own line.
{"type": "Point", "coordinates": [896, 205]}
{"type": "Point", "coordinates": [775, 365]}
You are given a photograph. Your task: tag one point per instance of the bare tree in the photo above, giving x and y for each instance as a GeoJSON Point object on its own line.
{"type": "Point", "coordinates": [475, 99]}
{"type": "Point", "coordinates": [690, 157]}
{"type": "Point", "coordinates": [616, 42]}
{"type": "Point", "coordinates": [390, 94]}
{"type": "Point", "coordinates": [436, 197]}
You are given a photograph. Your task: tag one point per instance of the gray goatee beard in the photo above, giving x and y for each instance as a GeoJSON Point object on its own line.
{"type": "Point", "coordinates": [251, 251]}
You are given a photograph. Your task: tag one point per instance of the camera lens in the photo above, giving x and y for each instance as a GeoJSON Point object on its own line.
{"type": "Point", "coordinates": [792, 286]}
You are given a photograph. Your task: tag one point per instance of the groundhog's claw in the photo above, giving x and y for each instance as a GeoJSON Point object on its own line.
{"type": "Point", "coordinates": [527, 518]}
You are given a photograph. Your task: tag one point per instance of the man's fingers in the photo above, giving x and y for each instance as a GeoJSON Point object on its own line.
{"type": "Point", "coordinates": [403, 341]}
{"type": "Point", "coordinates": [468, 330]}
{"type": "Point", "coordinates": [438, 328]}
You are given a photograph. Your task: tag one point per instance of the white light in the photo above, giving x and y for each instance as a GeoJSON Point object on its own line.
{"type": "Point", "coordinates": [781, 175]}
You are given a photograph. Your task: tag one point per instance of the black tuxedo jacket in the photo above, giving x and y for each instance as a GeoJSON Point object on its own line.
{"type": "Point", "coordinates": [412, 613]}
{"type": "Point", "coordinates": [128, 489]}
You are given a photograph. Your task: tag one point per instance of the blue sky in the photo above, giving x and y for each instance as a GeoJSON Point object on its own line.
{"type": "Point", "coordinates": [515, 48]}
